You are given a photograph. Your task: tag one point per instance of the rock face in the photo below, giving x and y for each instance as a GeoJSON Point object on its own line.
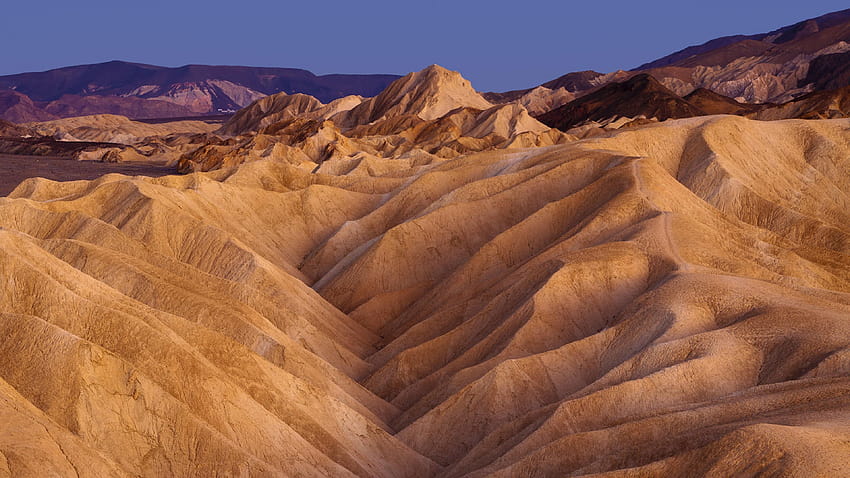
{"type": "Point", "coordinates": [106, 138]}
{"type": "Point", "coordinates": [666, 301]}
{"type": "Point", "coordinates": [148, 91]}
{"type": "Point", "coordinates": [541, 99]}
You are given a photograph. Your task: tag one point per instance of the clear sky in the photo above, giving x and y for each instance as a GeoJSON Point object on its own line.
{"type": "Point", "coordinates": [498, 45]}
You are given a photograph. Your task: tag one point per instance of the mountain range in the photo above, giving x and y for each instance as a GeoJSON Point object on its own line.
{"type": "Point", "coordinates": [147, 91]}
{"type": "Point", "coordinates": [767, 67]}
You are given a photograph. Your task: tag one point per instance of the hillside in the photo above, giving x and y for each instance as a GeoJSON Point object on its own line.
{"type": "Point", "coordinates": [586, 308]}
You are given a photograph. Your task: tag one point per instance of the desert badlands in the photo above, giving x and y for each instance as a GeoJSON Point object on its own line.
{"type": "Point", "coordinates": [432, 282]}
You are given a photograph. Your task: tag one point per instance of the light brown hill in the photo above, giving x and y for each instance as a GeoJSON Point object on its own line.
{"type": "Point", "coordinates": [665, 301]}
{"type": "Point", "coordinates": [284, 108]}
{"type": "Point", "coordinates": [268, 110]}
{"type": "Point", "coordinates": [8, 129]}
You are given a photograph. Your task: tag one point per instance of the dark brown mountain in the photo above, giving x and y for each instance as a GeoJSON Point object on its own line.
{"type": "Point", "coordinates": [716, 104]}
{"type": "Point", "coordinates": [694, 50]}
{"type": "Point", "coordinates": [829, 72]}
{"type": "Point", "coordinates": [815, 105]}
{"type": "Point", "coordinates": [639, 95]}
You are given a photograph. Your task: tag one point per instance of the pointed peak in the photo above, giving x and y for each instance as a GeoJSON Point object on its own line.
{"type": "Point", "coordinates": [436, 73]}
{"type": "Point", "coordinates": [429, 94]}
{"type": "Point", "coordinates": [436, 68]}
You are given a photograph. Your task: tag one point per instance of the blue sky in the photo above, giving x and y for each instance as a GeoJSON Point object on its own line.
{"type": "Point", "coordinates": [497, 45]}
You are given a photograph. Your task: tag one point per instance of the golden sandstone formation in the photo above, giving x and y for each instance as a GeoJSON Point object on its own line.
{"type": "Point", "coordinates": [429, 286]}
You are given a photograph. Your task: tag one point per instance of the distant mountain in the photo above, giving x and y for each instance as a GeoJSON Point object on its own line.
{"type": "Point", "coordinates": [19, 108]}
{"type": "Point", "coordinates": [575, 82]}
{"type": "Point", "coordinates": [706, 53]}
{"type": "Point", "coordinates": [74, 105]}
{"type": "Point", "coordinates": [773, 67]}
{"type": "Point", "coordinates": [117, 87]}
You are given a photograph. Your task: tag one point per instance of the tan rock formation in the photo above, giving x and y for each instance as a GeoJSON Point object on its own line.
{"type": "Point", "coordinates": [428, 94]}
{"type": "Point", "coordinates": [298, 129]}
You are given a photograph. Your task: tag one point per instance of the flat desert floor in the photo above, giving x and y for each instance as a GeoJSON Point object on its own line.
{"type": "Point", "coordinates": [14, 169]}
